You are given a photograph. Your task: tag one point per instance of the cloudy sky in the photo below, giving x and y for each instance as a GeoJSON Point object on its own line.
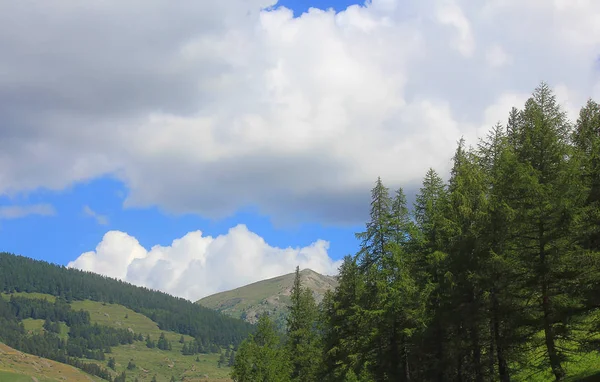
{"type": "Point", "coordinates": [196, 146]}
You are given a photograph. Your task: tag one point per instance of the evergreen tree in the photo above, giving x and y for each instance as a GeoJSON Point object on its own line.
{"type": "Point", "coordinates": [586, 138]}
{"type": "Point", "coordinates": [500, 273]}
{"type": "Point", "coordinates": [231, 360]}
{"type": "Point", "coordinates": [343, 328]}
{"type": "Point", "coordinates": [260, 357]}
{"type": "Point", "coordinates": [430, 261]}
{"type": "Point", "coordinates": [149, 343]}
{"type": "Point", "coordinates": [302, 340]}
{"type": "Point", "coordinates": [111, 363]}
{"type": "Point", "coordinates": [544, 200]}
{"type": "Point", "coordinates": [163, 343]}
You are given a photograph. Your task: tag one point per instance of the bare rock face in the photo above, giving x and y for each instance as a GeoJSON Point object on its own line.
{"type": "Point", "coordinates": [270, 296]}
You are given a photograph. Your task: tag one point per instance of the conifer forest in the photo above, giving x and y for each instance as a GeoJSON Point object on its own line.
{"type": "Point", "coordinates": [491, 275]}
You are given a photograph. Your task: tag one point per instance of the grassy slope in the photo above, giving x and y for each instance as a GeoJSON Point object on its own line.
{"type": "Point", "coordinates": [270, 295]}
{"type": "Point", "coordinates": [151, 361]}
{"type": "Point", "coordinates": [16, 366]}
{"type": "Point", "coordinates": [148, 361]}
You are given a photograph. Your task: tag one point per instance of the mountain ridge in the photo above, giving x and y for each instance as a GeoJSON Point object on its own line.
{"type": "Point", "coordinates": [269, 296]}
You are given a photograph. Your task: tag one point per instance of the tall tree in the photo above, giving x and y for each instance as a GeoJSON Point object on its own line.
{"type": "Point", "coordinates": [430, 257]}
{"type": "Point", "coordinates": [465, 213]}
{"type": "Point", "coordinates": [544, 200]}
{"type": "Point", "coordinates": [342, 325]}
{"type": "Point", "coordinates": [378, 232]}
{"type": "Point", "coordinates": [302, 339]}
{"type": "Point", "coordinates": [587, 142]}
{"type": "Point", "coordinates": [586, 139]}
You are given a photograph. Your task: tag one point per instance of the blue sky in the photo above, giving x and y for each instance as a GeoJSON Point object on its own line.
{"type": "Point", "coordinates": [197, 146]}
{"type": "Point", "coordinates": [64, 235]}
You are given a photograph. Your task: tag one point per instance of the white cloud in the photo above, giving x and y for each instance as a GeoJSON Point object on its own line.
{"type": "Point", "coordinates": [16, 212]}
{"type": "Point", "coordinates": [450, 13]}
{"type": "Point", "coordinates": [497, 57]}
{"type": "Point", "coordinates": [206, 107]}
{"type": "Point", "coordinates": [195, 266]}
{"type": "Point", "coordinates": [100, 219]}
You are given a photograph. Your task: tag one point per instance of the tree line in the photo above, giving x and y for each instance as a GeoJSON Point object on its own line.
{"type": "Point", "coordinates": [492, 273]}
{"type": "Point", "coordinates": [22, 274]}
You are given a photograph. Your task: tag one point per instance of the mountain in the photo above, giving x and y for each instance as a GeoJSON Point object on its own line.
{"type": "Point", "coordinates": [107, 328]}
{"type": "Point", "coordinates": [272, 296]}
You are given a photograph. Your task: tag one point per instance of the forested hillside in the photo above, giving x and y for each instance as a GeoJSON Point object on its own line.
{"type": "Point", "coordinates": [493, 275]}
{"type": "Point", "coordinates": [38, 291]}
{"type": "Point", "coordinates": [21, 274]}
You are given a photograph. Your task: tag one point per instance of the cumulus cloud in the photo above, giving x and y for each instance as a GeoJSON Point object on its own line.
{"type": "Point", "coordinates": [16, 212]}
{"type": "Point", "coordinates": [100, 219]}
{"type": "Point", "coordinates": [195, 266]}
{"type": "Point", "coordinates": [209, 106]}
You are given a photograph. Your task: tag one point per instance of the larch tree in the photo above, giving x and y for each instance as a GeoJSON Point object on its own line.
{"type": "Point", "coordinates": [545, 200]}
{"type": "Point", "coordinates": [303, 343]}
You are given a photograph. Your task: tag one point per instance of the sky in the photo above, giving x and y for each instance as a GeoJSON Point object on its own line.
{"type": "Point", "coordinates": [197, 146]}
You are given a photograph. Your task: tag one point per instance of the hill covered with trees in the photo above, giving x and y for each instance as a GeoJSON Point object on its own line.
{"type": "Point", "coordinates": [67, 302]}
{"type": "Point", "coordinates": [493, 275]}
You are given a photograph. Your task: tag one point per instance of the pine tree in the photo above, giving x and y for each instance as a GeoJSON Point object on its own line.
{"type": "Point", "coordinates": [111, 363]}
{"type": "Point", "coordinates": [343, 330]}
{"type": "Point", "coordinates": [373, 248]}
{"type": "Point", "coordinates": [586, 139]}
{"type": "Point", "coordinates": [544, 199]}
{"type": "Point", "coordinates": [302, 340]}
{"type": "Point", "coordinates": [500, 271]}
{"type": "Point", "coordinates": [429, 246]}
{"type": "Point", "coordinates": [163, 343]}
{"type": "Point", "coordinates": [372, 258]}
{"type": "Point", "coordinates": [260, 357]}
{"type": "Point", "coordinates": [467, 257]}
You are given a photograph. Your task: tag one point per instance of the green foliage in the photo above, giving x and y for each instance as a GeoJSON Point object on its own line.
{"type": "Point", "coordinates": [261, 357]}
{"type": "Point", "coordinates": [495, 274]}
{"type": "Point", "coordinates": [302, 344]}
{"type": "Point", "coordinates": [21, 274]}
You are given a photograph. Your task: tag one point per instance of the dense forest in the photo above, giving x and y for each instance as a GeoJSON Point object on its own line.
{"type": "Point", "coordinates": [491, 273]}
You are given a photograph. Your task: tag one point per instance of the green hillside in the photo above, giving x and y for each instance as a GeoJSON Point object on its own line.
{"type": "Point", "coordinates": [268, 296]}
{"type": "Point", "coordinates": [110, 329]}
{"type": "Point", "coordinates": [16, 366]}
